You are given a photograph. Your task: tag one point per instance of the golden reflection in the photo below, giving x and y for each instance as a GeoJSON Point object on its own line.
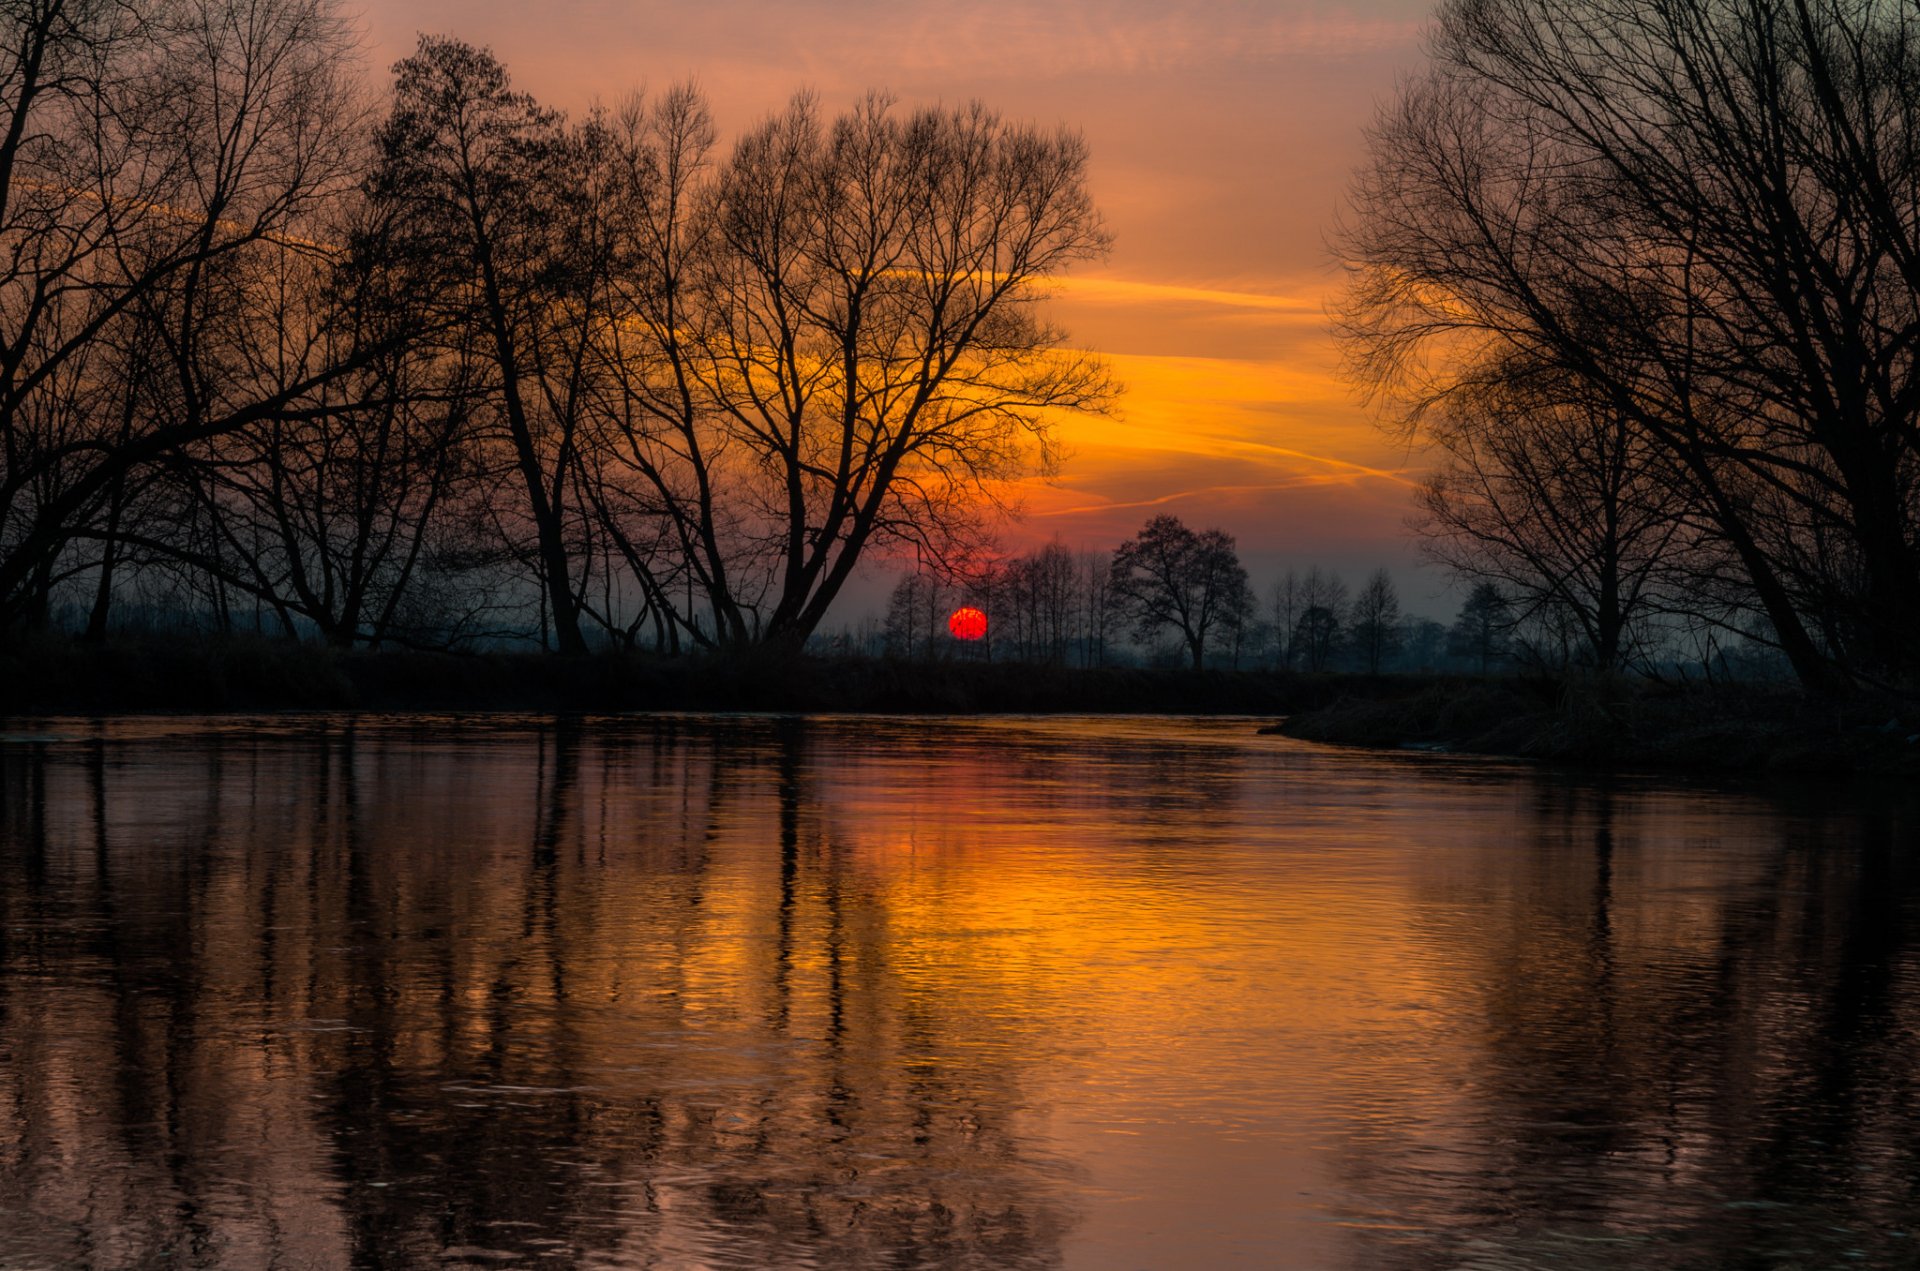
{"type": "Point", "coordinates": [1007, 993]}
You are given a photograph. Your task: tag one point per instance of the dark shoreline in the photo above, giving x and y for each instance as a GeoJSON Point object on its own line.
{"type": "Point", "coordinates": [1707, 729]}
{"type": "Point", "coordinates": [1717, 729]}
{"type": "Point", "coordinates": [139, 676]}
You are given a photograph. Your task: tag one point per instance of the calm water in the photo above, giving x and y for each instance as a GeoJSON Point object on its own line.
{"type": "Point", "coordinates": [759, 992]}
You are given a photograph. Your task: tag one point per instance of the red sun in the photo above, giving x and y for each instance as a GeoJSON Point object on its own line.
{"type": "Point", "coordinates": [967, 624]}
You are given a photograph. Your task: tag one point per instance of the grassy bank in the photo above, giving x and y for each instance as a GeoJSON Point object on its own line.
{"type": "Point", "coordinates": [132, 676]}
{"type": "Point", "coordinates": [1615, 724]}
{"type": "Point", "coordinates": [1702, 729]}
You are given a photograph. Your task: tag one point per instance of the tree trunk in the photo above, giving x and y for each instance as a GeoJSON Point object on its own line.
{"type": "Point", "coordinates": [102, 595]}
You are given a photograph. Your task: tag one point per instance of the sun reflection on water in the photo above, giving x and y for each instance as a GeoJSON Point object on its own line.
{"type": "Point", "coordinates": [757, 991]}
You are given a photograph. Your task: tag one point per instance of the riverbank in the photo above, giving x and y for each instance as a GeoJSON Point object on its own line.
{"type": "Point", "coordinates": [1741, 729]}
{"type": "Point", "coordinates": [139, 676]}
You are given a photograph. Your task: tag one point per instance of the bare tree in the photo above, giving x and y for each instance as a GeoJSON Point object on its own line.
{"type": "Point", "coordinates": [318, 375]}
{"type": "Point", "coordinates": [1285, 606]}
{"type": "Point", "coordinates": [1037, 603]}
{"type": "Point", "coordinates": [1376, 620]}
{"type": "Point", "coordinates": [1704, 212]}
{"type": "Point", "coordinates": [1096, 607]}
{"type": "Point", "coordinates": [1191, 581]}
{"type": "Point", "coordinates": [1322, 600]}
{"type": "Point", "coordinates": [493, 215]}
{"type": "Point", "coordinates": [1565, 504]}
{"type": "Point", "coordinates": [156, 164]}
{"type": "Point", "coordinates": [839, 341]}
{"type": "Point", "coordinates": [916, 615]}
{"type": "Point", "coordinates": [335, 519]}
{"type": "Point", "coordinates": [1482, 630]}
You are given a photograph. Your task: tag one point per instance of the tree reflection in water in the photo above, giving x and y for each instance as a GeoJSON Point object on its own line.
{"type": "Point", "coordinates": [1667, 1069]}
{"type": "Point", "coordinates": [779, 992]}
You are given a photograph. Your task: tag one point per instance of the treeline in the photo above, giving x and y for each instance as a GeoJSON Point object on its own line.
{"type": "Point", "coordinates": [1175, 596]}
{"type": "Point", "coordinates": [448, 368]}
{"type": "Point", "coordinates": [1646, 277]}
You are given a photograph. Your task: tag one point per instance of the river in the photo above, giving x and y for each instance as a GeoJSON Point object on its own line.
{"type": "Point", "coordinates": [756, 991]}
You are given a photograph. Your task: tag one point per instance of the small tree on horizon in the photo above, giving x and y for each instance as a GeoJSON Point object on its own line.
{"type": "Point", "coordinates": [1191, 581]}
{"type": "Point", "coordinates": [1376, 620]}
{"type": "Point", "coordinates": [1481, 630]}
{"type": "Point", "coordinates": [1322, 607]}
{"type": "Point", "coordinates": [1285, 607]}
{"type": "Point", "coordinates": [1315, 636]}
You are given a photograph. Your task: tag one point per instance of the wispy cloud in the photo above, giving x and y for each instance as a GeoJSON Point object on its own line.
{"type": "Point", "coordinates": [1209, 492]}
{"type": "Point", "coordinates": [1357, 469]}
{"type": "Point", "coordinates": [1127, 291]}
{"type": "Point", "coordinates": [858, 43]}
{"type": "Point", "coordinates": [1011, 37]}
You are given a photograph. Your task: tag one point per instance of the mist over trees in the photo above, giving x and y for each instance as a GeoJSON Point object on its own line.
{"type": "Point", "coordinates": [1173, 595]}
{"type": "Point", "coordinates": [1648, 276]}
{"type": "Point", "coordinates": [1052, 606]}
{"type": "Point", "coordinates": [451, 367]}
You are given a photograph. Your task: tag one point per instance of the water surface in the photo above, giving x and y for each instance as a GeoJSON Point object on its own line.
{"type": "Point", "coordinates": [866, 992]}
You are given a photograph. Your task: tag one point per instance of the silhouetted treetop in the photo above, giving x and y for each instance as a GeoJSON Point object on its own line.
{"type": "Point", "coordinates": [1699, 220]}
{"type": "Point", "coordinates": [1169, 576]}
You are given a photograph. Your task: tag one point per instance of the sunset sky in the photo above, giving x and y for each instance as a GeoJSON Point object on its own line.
{"type": "Point", "coordinates": [1223, 134]}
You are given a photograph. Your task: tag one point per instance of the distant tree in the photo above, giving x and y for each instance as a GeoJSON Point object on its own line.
{"type": "Point", "coordinates": [1316, 635]}
{"type": "Point", "coordinates": [1481, 630]}
{"type": "Point", "coordinates": [1247, 636]}
{"type": "Point", "coordinates": [1325, 589]}
{"type": "Point", "coordinates": [1285, 609]}
{"type": "Point", "coordinates": [1038, 600]}
{"type": "Point", "coordinates": [1376, 621]}
{"type": "Point", "coordinates": [981, 582]}
{"type": "Point", "coordinates": [1423, 643]}
{"type": "Point", "coordinates": [1054, 574]}
{"type": "Point", "coordinates": [1322, 606]}
{"type": "Point", "coordinates": [913, 612]}
{"type": "Point", "coordinates": [1171, 576]}
{"type": "Point", "coordinates": [1096, 607]}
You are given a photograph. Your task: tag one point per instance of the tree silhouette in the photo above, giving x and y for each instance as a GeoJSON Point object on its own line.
{"type": "Point", "coordinates": [1699, 212]}
{"type": "Point", "coordinates": [485, 185]}
{"type": "Point", "coordinates": [839, 344]}
{"type": "Point", "coordinates": [1171, 576]}
{"type": "Point", "coordinates": [1566, 505]}
{"type": "Point", "coordinates": [1481, 630]}
{"type": "Point", "coordinates": [1376, 620]}
{"type": "Point", "coordinates": [158, 175]}
{"type": "Point", "coordinates": [591, 373]}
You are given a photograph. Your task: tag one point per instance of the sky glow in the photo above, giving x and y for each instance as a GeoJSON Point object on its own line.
{"type": "Point", "coordinates": [1222, 137]}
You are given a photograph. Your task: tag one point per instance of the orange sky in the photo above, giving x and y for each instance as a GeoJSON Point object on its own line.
{"type": "Point", "coordinates": [1223, 133]}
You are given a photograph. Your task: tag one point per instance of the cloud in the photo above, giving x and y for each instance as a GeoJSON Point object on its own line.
{"type": "Point", "coordinates": [854, 43]}
{"type": "Point", "coordinates": [1208, 494]}
{"type": "Point", "coordinates": [1348, 467]}
{"type": "Point", "coordinates": [1098, 290]}
{"type": "Point", "coordinates": [1099, 36]}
